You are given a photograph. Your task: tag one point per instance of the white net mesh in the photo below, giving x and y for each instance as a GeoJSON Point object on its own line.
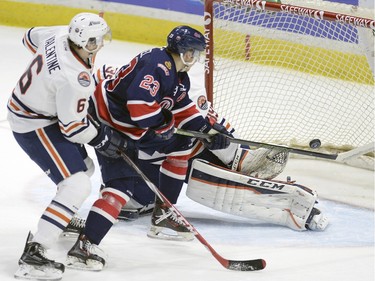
{"type": "Point", "coordinates": [286, 78]}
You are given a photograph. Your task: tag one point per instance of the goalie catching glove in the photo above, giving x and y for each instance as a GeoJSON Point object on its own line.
{"type": "Point", "coordinates": [261, 162]}
{"type": "Point", "coordinates": [109, 142]}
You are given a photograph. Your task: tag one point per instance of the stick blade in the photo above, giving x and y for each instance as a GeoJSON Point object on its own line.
{"type": "Point", "coordinates": [250, 265]}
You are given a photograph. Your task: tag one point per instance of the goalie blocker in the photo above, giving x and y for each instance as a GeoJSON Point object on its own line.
{"type": "Point", "coordinates": [276, 202]}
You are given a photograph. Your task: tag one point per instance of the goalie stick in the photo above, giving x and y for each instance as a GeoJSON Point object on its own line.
{"type": "Point", "coordinates": [338, 157]}
{"type": "Point", "coordinates": [243, 265]}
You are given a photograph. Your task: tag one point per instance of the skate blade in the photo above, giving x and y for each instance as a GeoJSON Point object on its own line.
{"type": "Point", "coordinates": [89, 265]}
{"type": "Point", "coordinates": [128, 216]}
{"type": "Point", "coordinates": [69, 236]}
{"type": "Point", "coordinates": [132, 215]}
{"type": "Point", "coordinates": [163, 233]}
{"type": "Point", "coordinates": [44, 273]}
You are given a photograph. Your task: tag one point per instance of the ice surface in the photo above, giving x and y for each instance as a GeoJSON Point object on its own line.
{"type": "Point", "coordinates": [344, 252]}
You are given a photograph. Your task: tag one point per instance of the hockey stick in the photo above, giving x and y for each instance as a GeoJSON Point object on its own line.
{"type": "Point", "coordinates": [356, 152]}
{"type": "Point", "coordinates": [246, 265]}
{"type": "Point", "coordinates": [201, 135]}
{"type": "Point", "coordinates": [341, 157]}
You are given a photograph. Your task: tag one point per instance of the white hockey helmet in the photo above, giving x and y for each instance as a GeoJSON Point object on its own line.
{"type": "Point", "coordinates": [89, 31]}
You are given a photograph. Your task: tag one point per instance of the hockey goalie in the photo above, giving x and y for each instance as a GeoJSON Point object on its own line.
{"type": "Point", "coordinates": [276, 202]}
{"type": "Point", "coordinates": [240, 181]}
{"type": "Point", "coordinates": [243, 185]}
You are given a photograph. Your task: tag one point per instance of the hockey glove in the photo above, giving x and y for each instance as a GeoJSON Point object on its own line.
{"type": "Point", "coordinates": [219, 140]}
{"type": "Point", "coordinates": [104, 72]}
{"type": "Point", "coordinates": [166, 130]}
{"type": "Point", "coordinates": [109, 142]}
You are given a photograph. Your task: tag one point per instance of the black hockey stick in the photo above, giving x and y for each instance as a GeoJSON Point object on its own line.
{"type": "Point", "coordinates": [244, 265]}
{"type": "Point", "coordinates": [201, 135]}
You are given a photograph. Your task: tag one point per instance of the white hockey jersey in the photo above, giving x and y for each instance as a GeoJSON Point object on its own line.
{"type": "Point", "coordinates": [55, 87]}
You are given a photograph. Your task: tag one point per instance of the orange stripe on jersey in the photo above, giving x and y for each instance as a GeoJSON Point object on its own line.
{"type": "Point", "coordinates": [19, 110]}
{"type": "Point", "coordinates": [58, 214]}
{"type": "Point", "coordinates": [196, 149]}
{"type": "Point", "coordinates": [28, 44]}
{"type": "Point", "coordinates": [99, 75]}
{"type": "Point", "coordinates": [53, 153]}
{"type": "Point", "coordinates": [71, 127]}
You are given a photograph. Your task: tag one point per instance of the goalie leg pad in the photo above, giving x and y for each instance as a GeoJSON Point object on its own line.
{"type": "Point", "coordinates": [276, 202]}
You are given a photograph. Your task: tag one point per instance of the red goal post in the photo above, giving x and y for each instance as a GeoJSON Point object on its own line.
{"type": "Point", "coordinates": [288, 74]}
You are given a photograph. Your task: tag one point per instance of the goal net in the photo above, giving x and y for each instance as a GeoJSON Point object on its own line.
{"type": "Point", "coordinates": [288, 74]}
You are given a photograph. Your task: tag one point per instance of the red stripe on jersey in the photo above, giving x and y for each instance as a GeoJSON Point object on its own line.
{"type": "Point", "coordinates": [104, 114]}
{"type": "Point", "coordinates": [106, 207]}
{"type": "Point", "coordinates": [118, 198]}
{"type": "Point", "coordinates": [140, 110]}
{"type": "Point", "coordinates": [122, 74]}
{"type": "Point", "coordinates": [101, 104]}
{"type": "Point", "coordinates": [176, 164]}
{"type": "Point", "coordinates": [185, 114]}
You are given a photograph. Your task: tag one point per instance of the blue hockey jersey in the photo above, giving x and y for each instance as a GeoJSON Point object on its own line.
{"type": "Point", "coordinates": [131, 102]}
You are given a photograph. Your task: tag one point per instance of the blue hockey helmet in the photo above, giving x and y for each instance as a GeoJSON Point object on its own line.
{"type": "Point", "coordinates": [183, 38]}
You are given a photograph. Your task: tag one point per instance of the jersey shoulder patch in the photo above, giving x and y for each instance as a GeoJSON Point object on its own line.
{"type": "Point", "coordinates": [84, 79]}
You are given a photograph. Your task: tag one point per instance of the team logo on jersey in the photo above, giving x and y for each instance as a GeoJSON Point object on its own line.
{"type": "Point", "coordinates": [168, 64]}
{"type": "Point", "coordinates": [165, 69]}
{"type": "Point", "coordinates": [167, 103]}
{"type": "Point", "coordinates": [84, 79]}
{"type": "Point", "coordinates": [202, 102]}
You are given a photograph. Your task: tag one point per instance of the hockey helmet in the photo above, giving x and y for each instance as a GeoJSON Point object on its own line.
{"type": "Point", "coordinates": [184, 38]}
{"type": "Point", "coordinates": [89, 31]}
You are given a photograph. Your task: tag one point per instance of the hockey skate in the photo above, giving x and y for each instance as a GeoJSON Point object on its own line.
{"type": "Point", "coordinates": [165, 224]}
{"type": "Point", "coordinates": [34, 265]}
{"type": "Point", "coordinates": [85, 256]}
{"type": "Point", "coordinates": [74, 228]}
{"type": "Point", "coordinates": [131, 214]}
{"type": "Point", "coordinates": [316, 220]}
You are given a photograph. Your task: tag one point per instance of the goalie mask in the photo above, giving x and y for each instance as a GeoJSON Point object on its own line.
{"type": "Point", "coordinates": [261, 163]}
{"type": "Point", "coordinates": [89, 31]}
{"type": "Point", "coordinates": [183, 39]}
